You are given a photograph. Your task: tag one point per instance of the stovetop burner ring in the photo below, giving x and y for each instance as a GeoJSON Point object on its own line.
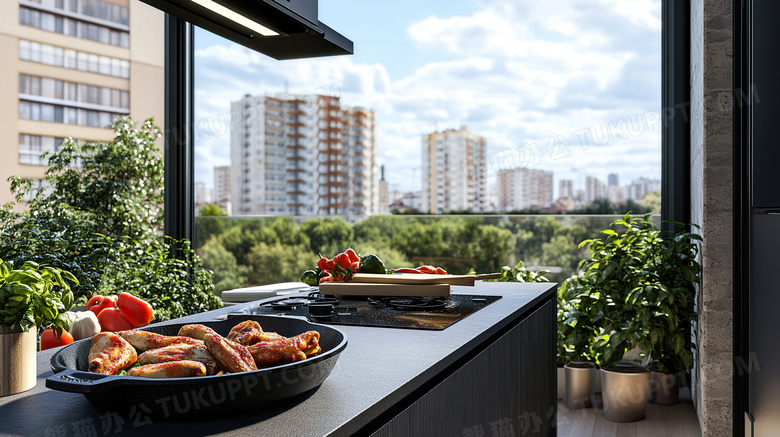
{"type": "Point", "coordinates": [416, 303]}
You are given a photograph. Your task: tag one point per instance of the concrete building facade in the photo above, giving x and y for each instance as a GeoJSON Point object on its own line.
{"type": "Point", "coordinates": [289, 157]}
{"type": "Point", "coordinates": [70, 68]}
{"type": "Point", "coordinates": [523, 188]}
{"type": "Point", "coordinates": [454, 171]}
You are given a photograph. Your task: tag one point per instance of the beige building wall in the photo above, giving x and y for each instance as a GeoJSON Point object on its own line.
{"type": "Point", "coordinates": [145, 84]}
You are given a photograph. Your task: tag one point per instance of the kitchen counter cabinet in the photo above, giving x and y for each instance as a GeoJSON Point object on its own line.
{"type": "Point", "coordinates": [485, 374]}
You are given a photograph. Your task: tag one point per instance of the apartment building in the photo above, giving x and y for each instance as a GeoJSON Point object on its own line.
{"type": "Point", "coordinates": [523, 188]}
{"type": "Point", "coordinates": [300, 156]}
{"type": "Point", "coordinates": [454, 171]}
{"type": "Point", "coordinates": [70, 68]}
{"type": "Point", "coordinates": [594, 189]}
{"type": "Point", "coordinates": [222, 187]}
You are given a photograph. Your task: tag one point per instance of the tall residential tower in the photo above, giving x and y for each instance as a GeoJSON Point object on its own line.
{"type": "Point", "coordinates": [454, 171]}
{"type": "Point", "coordinates": [293, 156]}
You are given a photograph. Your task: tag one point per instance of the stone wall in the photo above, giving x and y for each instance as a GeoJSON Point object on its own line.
{"type": "Point", "coordinates": [712, 208]}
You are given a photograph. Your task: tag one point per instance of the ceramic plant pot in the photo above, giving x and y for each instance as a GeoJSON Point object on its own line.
{"type": "Point", "coordinates": [18, 371]}
{"type": "Point", "coordinates": [664, 388]}
{"type": "Point", "coordinates": [625, 392]}
{"type": "Point", "coordinates": [580, 384]}
{"type": "Point", "coordinates": [561, 383]}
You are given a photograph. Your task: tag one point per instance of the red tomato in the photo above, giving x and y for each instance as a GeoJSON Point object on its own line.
{"type": "Point", "coordinates": [353, 257]}
{"type": "Point", "coordinates": [137, 311]}
{"type": "Point", "coordinates": [112, 319]}
{"type": "Point", "coordinates": [96, 304]}
{"type": "Point", "coordinates": [49, 339]}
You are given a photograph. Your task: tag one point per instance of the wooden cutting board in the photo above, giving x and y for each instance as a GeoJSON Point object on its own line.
{"type": "Point", "coordinates": [373, 289]}
{"type": "Point", "coordinates": [421, 279]}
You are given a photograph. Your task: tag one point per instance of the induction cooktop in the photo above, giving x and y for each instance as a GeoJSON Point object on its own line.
{"type": "Point", "coordinates": [432, 313]}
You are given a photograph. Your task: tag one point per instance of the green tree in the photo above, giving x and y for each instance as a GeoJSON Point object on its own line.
{"type": "Point", "coordinates": [652, 202]}
{"type": "Point", "coordinates": [228, 274]}
{"type": "Point", "coordinates": [274, 263]}
{"type": "Point", "coordinates": [100, 217]}
{"type": "Point", "coordinates": [211, 210]}
{"type": "Point", "coordinates": [328, 236]}
{"type": "Point", "coordinates": [210, 222]}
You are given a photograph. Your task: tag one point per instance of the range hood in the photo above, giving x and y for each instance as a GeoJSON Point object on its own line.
{"type": "Point", "coordinates": [281, 29]}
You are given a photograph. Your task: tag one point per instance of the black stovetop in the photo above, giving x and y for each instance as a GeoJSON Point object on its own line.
{"type": "Point", "coordinates": [433, 313]}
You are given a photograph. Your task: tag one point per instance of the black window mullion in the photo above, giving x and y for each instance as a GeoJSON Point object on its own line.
{"type": "Point", "coordinates": [179, 216]}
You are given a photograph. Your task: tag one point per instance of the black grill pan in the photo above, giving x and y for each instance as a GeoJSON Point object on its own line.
{"type": "Point", "coordinates": [176, 398]}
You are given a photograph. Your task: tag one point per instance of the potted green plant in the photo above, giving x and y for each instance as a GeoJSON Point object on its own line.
{"type": "Point", "coordinates": [32, 297]}
{"type": "Point", "coordinates": [637, 290]}
{"type": "Point", "coordinates": [576, 333]}
{"type": "Point", "coordinates": [669, 296]}
{"type": "Point", "coordinates": [611, 284]}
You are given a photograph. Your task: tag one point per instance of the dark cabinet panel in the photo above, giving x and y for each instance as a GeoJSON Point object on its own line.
{"type": "Point", "coordinates": [765, 104]}
{"type": "Point", "coordinates": [509, 385]}
{"type": "Point", "coordinates": [763, 362]}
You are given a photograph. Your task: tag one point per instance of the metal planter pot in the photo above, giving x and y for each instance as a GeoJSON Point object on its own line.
{"type": "Point", "coordinates": [18, 371]}
{"type": "Point", "coordinates": [580, 384]}
{"type": "Point", "coordinates": [625, 392]}
{"type": "Point", "coordinates": [664, 388]}
{"type": "Point", "coordinates": [561, 383]}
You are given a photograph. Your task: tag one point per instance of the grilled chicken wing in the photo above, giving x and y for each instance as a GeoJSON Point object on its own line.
{"type": "Point", "coordinates": [145, 340]}
{"type": "Point", "coordinates": [195, 331]}
{"type": "Point", "coordinates": [171, 369]}
{"type": "Point", "coordinates": [285, 350]}
{"type": "Point", "coordinates": [232, 356]}
{"type": "Point", "coordinates": [181, 352]}
{"type": "Point", "coordinates": [110, 353]}
{"type": "Point", "coordinates": [250, 332]}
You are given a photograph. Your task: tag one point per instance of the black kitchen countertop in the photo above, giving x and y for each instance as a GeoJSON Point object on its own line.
{"type": "Point", "coordinates": [380, 370]}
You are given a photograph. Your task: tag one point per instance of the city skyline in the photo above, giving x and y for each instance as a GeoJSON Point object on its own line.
{"type": "Point", "coordinates": [555, 81]}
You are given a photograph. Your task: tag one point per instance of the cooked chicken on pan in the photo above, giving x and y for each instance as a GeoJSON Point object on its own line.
{"type": "Point", "coordinates": [110, 353]}
{"type": "Point", "coordinates": [285, 350]}
{"type": "Point", "coordinates": [181, 352]}
{"type": "Point", "coordinates": [250, 332]}
{"type": "Point", "coordinates": [232, 358]}
{"type": "Point", "coordinates": [145, 340]}
{"type": "Point", "coordinates": [197, 351]}
{"type": "Point", "coordinates": [195, 331]}
{"type": "Point", "coordinates": [171, 369]}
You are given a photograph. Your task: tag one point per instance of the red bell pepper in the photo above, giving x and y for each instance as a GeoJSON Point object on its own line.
{"type": "Point", "coordinates": [353, 257]}
{"type": "Point", "coordinates": [135, 310]}
{"type": "Point", "coordinates": [96, 304]}
{"type": "Point", "coordinates": [112, 319]}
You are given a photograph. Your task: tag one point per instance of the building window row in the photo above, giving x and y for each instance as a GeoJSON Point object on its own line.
{"type": "Point", "coordinates": [97, 9]}
{"type": "Point", "coordinates": [32, 148]}
{"type": "Point", "coordinates": [65, 114]}
{"type": "Point", "coordinates": [71, 27]}
{"type": "Point", "coordinates": [73, 59]}
{"type": "Point", "coordinates": [73, 92]}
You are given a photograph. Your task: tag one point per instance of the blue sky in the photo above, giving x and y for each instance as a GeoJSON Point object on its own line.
{"type": "Point", "coordinates": [570, 86]}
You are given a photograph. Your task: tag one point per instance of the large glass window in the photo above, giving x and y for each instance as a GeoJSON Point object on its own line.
{"type": "Point", "coordinates": [534, 111]}
{"type": "Point", "coordinates": [73, 59]}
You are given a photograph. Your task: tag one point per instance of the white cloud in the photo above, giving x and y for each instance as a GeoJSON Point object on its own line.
{"type": "Point", "coordinates": [516, 72]}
